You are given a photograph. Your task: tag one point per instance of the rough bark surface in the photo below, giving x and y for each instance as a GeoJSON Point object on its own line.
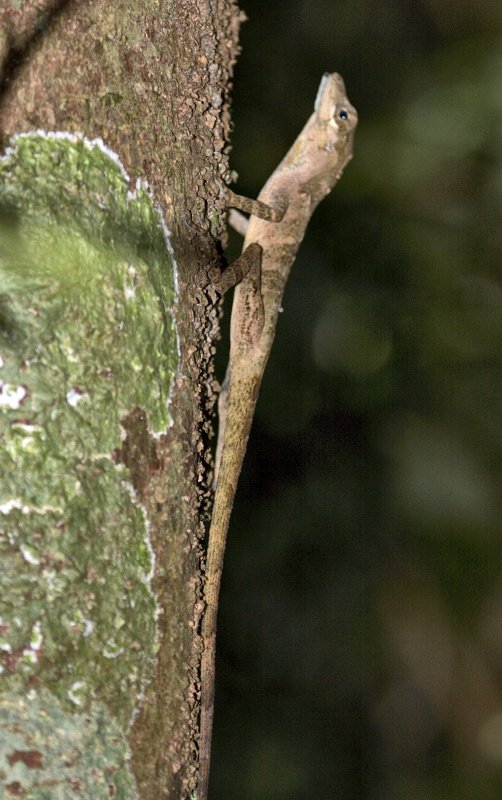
{"type": "Point", "coordinates": [149, 79]}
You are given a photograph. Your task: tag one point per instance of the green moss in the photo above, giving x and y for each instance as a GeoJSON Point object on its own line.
{"type": "Point", "coordinates": [50, 754]}
{"type": "Point", "coordinates": [86, 337]}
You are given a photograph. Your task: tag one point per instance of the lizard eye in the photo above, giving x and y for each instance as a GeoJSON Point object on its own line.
{"type": "Point", "coordinates": [342, 114]}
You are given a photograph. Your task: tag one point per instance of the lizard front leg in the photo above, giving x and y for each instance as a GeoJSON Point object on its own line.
{"type": "Point", "coordinates": [248, 263]}
{"type": "Point", "coordinates": [272, 212]}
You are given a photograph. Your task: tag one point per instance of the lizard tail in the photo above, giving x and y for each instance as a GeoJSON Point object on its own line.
{"type": "Point", "coordinates": [236, 434]}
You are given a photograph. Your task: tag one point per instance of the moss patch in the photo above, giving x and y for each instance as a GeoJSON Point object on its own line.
{"type": "Point", "coordinates": [87, 337]}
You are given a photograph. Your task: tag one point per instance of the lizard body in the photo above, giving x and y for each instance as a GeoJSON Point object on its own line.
{"type": "Point", "coordinates": [307, 173]}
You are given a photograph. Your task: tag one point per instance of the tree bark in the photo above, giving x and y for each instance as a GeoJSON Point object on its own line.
{"type": "Point", "coordinates": [150, 80]}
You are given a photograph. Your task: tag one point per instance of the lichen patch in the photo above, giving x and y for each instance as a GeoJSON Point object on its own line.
{"type": "Point", "coordinates": [88, 339]}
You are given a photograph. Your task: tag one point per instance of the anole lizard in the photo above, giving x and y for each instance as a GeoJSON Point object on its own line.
{"type": "Point", "coordinates": [309, 171]}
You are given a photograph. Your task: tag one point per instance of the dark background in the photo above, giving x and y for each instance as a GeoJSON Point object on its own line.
{"type": "Point", "coordinates": [360, 633]}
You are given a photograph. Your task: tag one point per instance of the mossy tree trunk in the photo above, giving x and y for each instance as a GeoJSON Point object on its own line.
{"type": "Point", "coordinates": [106, 386]}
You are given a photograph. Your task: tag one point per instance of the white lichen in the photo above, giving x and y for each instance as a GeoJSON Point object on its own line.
{"type": "Point", "coordinates": [28, 555]}
{"type": "Point", "coordinates": [11, 396]}
{"type": "Point", "coordinates": [74, 396]}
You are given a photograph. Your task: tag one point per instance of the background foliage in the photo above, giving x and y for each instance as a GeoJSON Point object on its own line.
{"type": "Point", "coordinates": [360, 639]}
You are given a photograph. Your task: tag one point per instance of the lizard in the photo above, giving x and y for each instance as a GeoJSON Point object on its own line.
{"type": "Point", "coordinates": [274, 232]}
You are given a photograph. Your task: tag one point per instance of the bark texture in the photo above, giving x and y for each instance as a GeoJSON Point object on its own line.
{"type": "Point", "coordinates": [150, 79]}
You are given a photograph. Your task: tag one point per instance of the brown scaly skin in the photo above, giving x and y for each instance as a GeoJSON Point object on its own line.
{"type": "Point", "coordinates": [309, 171]}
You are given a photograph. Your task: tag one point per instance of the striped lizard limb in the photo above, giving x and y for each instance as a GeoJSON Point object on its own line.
{"type": "Point", "coordinates": [275, 231]}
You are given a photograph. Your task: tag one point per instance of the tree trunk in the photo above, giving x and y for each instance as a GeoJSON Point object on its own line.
{"type": "Point", "coordinates": [106, 386]}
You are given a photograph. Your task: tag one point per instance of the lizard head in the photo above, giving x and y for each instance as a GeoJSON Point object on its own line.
{"type": "Point", "coordinates": [325, 145]}
{"type": "Point", "coordinates": [332, 111]}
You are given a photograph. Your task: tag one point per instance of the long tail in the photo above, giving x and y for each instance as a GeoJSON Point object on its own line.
{"type": "Point", "coordinates": [236, 434]}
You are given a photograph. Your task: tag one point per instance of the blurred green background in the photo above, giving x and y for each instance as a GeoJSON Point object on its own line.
{"type": "Point", "coordinates": [360, 634]}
